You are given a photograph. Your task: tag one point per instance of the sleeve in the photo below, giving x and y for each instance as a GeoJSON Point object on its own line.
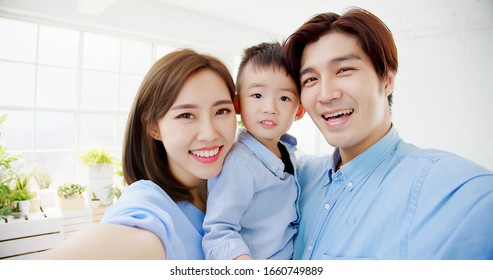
{"type": "Point", "coordinates": [230, 194]}
{"type": "Point", "coordinates": [147, 208]}
{"type": "Point", "coordinates": [457, 210]}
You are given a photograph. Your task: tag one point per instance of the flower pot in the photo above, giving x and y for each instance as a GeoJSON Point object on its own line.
{"type": "Point", "coordinates": [95, 203]}
{"type": "Point", "coordinates": [73, 203]}
{"type": "Point", "coordinates": [24, 206]}
{"type": "Point", "coordinates": [101, 182]}
{"type": "Point", "coordinates": [35, 204]}
{"type": "Point", "coordinates": [47, 197]}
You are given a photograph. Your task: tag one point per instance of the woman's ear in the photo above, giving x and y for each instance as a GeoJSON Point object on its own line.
{"type": "Point", "coordinates": [153, 131]}
{"type": "Point", "coordinates": [236, 103]}
{"type": "Point", "coordinates": [300, 113]}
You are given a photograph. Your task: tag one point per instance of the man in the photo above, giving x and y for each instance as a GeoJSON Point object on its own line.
{"type": "Point", "coordinates": [377, 197]}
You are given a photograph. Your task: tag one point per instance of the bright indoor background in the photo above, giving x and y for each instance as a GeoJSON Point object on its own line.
{"type": "Point", "coordinates": [69, 69]}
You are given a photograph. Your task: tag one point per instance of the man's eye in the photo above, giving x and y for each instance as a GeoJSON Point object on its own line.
{"type": "Point", "coordinates": [343, 70]}
{"type": "Point", "coordinates": [308, 81]}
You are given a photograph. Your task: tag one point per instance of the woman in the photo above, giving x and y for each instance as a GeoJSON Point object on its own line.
{"type": "Point", "coordinates": [180, 128]}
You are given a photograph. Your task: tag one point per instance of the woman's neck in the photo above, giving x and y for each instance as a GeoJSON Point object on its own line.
{"type": "Point", "coordinates": [199, 197]}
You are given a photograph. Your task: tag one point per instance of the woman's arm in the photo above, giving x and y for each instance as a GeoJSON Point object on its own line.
{"type": "Point", "coordinates": [108, 241]}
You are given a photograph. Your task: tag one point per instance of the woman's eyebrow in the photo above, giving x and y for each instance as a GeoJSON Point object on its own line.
{"type": "Point", "coordinates": [194, 106]}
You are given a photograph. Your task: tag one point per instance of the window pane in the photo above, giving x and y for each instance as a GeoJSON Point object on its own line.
{"type": "Point", "coordinates": [136, 57]}
{"type": "Point", "coordinates": [120, 132]}
{"type": "Point", "coordinates": [58, 46]}
{"type": "Point", "coordinates": [55, 130]}
{"type": "Point", "coordinates": [17, 130]}
{"type": "Point", "coordinates": [56, 87]}
{"type": "Point", "coordinates": [101, 52]}
{"type": "Point", "coordinates": [18, 40]}
{"type": "Point", "coordinates": [129, 85]}
{"type": "Point", "coordinates": [99, 90]}
{"type": "Point", "coordinates": [59, 164]}
{"type": "Point", "coordinates": [97, 131]}
{"type": "Point", "coordinates": [16, 84]}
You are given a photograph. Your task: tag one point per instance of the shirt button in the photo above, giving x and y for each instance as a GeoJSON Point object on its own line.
{"type": "Point", "coordinates": [326, 206]}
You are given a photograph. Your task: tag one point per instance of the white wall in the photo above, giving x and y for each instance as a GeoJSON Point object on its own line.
{"type": "Point", "coordinates": [444, 94]}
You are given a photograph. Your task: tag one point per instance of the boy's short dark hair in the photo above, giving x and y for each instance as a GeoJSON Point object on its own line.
{"type": "Point", "coordinates": [262, 56]}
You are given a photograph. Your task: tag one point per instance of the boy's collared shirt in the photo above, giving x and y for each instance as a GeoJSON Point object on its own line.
{"type": "Point", "coordinates": [252, 204]}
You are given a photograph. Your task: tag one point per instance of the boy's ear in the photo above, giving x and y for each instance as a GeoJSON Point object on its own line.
{"type": "Point", "coordinates": [236, 103]}
{"type": "Point", "coordinates": [300, 113]}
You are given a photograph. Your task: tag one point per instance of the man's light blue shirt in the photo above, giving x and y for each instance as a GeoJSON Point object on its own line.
{"type": "Point", "coordinates": [395, 201]}
{"type": "Point", "coordinates": [251, 205]}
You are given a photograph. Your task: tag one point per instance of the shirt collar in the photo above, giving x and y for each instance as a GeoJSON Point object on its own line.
{"type": "Point", "coordinates": [271, 161]}
{"type": "Point", "coordinates": [367, 161]}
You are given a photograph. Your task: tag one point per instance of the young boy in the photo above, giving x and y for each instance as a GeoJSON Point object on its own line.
{"type": "Point", "coordinates": [252, 208]}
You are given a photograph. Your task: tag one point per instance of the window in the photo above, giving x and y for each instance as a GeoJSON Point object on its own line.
{"type": "Point", "coordinates": [67, 90]}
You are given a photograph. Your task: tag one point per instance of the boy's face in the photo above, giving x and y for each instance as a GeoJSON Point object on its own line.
{"type": "Point", "coordinates": [343, 94]}
{"type": "Point", "coordinates": [268, 103]}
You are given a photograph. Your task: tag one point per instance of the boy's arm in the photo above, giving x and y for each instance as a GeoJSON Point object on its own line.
{"type": "Point", "coordinates": [229, 196]}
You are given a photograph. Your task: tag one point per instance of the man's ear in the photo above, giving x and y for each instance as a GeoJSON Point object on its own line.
{"type": "Point", "coordinates": [236, 103]}
{"type": "Point", "coordinates": [388, 83]}
{"type": "Point", "coordinates": [153, 131]}
{"type": "Point", "coordinates": [300, 113]}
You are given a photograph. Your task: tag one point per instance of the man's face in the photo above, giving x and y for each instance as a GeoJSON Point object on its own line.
{"type": "Point", "coordinates": [343, 94]}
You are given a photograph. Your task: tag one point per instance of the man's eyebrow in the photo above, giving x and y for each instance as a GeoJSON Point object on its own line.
{"type": "Point", "coordinates": [335, 60]}
{"type": "Point", "coordinates": [194, 106]}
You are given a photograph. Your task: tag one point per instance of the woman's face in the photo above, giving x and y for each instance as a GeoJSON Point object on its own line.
{"type": "Point", "coordinates": [199, 129]}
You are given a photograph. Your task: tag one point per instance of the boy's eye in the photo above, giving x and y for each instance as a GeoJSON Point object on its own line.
{"type": "Point", "coordinates": [257, 95]}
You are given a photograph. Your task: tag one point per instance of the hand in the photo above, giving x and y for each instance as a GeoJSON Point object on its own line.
{"type": "Point", "coordinates": [243, 257]}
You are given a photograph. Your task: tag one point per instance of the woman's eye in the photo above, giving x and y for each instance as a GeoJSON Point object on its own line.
{"type": "Point", "coordinates": [185, 116]}
{"type": "Point", "coordinates": [223, 111]}
{"type": "Point", "coordinates": [257, 95]}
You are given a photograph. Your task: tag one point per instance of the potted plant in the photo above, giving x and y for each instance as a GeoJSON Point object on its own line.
{"type": "Point", "coordinates": [46, 195]}
{"type": "Point", "coordinates": [6, 177]}
{"type": "Point", "coordinates": [5, 200]}
{"type": "Point", "coordinates": [70, 196]}
{"type": "Point", "coordinates": [95, 201]}
{"type": "Point", "coordinates": [16, 211]}
{"type": "Point", "coordinates": [100, 164]}
{"type": "Point", "coordinates": [20, 195]}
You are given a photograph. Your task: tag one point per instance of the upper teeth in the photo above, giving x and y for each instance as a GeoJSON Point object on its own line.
{"type": "Point", "coordinates": [205, 153]}
{"type": "Point", "coordinates": [339, 113]}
